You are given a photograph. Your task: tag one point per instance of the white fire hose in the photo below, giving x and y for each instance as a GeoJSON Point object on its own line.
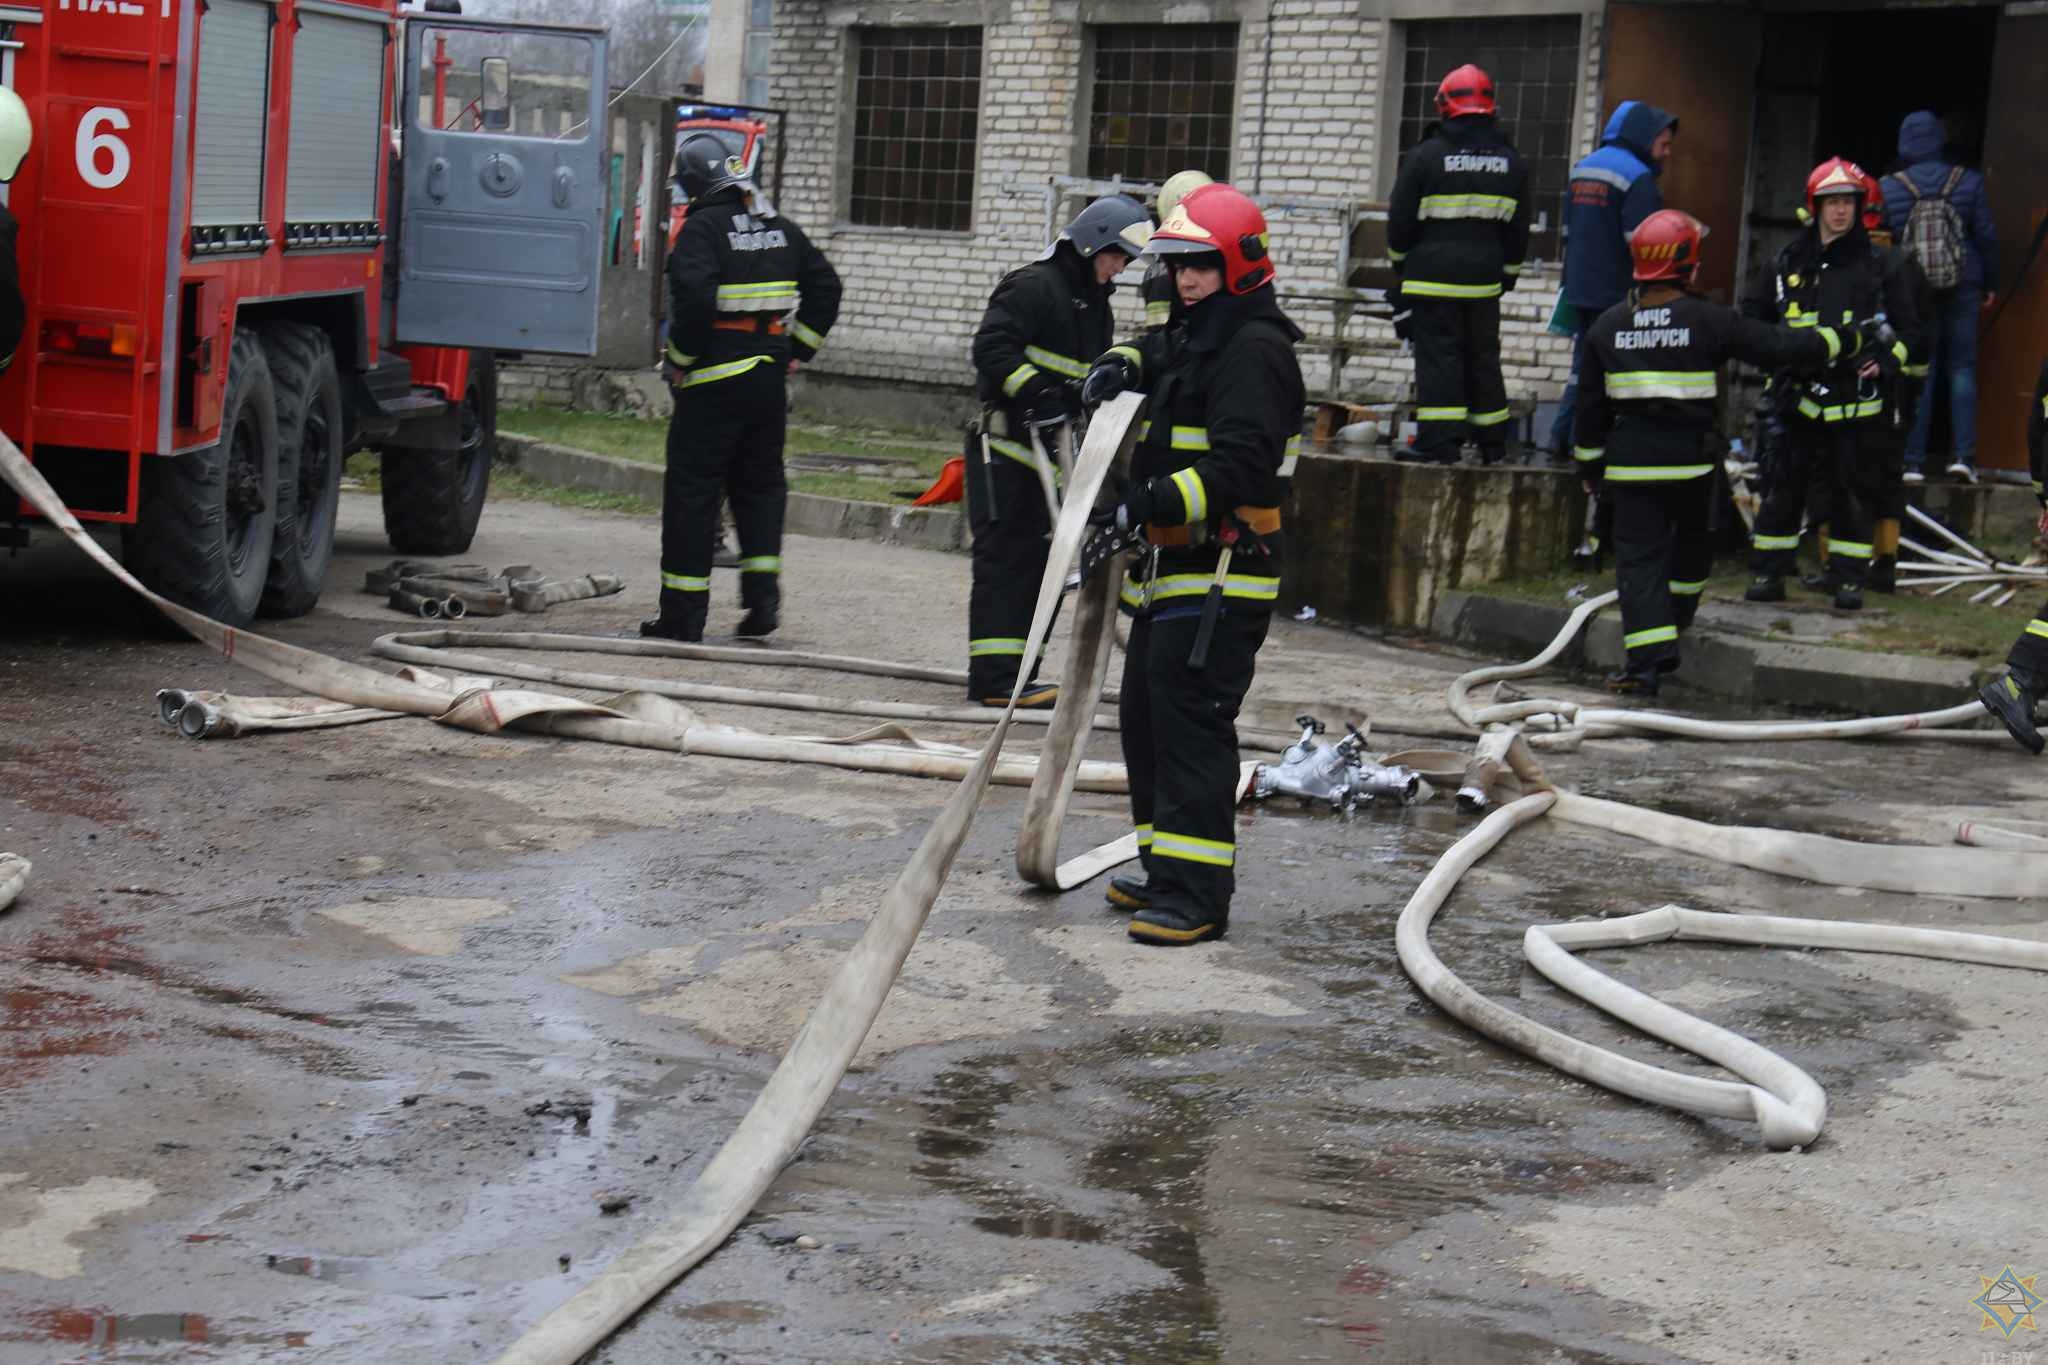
{"type": "Point", "coordinates": [14, 870]}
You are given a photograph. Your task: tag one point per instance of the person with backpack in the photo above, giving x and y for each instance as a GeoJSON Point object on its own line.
{"type": "Point", "coordinates": [1940, 215]}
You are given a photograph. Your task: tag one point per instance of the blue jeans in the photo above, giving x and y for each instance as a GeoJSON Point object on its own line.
{"type": "Point", "coordinates": [1568, 405]}
{"type": "Point", "coordinates": [1954, 352]}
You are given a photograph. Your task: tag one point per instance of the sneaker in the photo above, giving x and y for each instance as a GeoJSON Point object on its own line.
{"type": "Point", "coordinates": [660, 628]}
{"type": "Point", "coordinates": [1914, 476]}
{"type": "Point", "coordinates": [1633, 683]}
{"type": "Point", "coordinates": [757, 624]}
{"type": "Point", "coordinates": [1967, 473]}
{"type": "Point", "coordinates": [1848, 597]}
{"type": "Point", "coordinates": [2013, 703]}
{"type": "Point", "coordinates": [1173, 928]}
{"type": "Point", "coordinates": [1035, 697]}
{"type": "Point", "coordinates": [1765, 588]}
{"type": "Point", "coordinates": [1129, 893]}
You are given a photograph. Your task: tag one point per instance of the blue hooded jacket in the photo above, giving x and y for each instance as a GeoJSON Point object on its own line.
{"type": "Point", "coordinates": [1920, 147]}
{"type": "Point", "coordinates": [1611, 191]}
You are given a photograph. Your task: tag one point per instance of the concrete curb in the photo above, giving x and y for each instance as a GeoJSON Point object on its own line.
{"type": "Point", "coordinates": [928, 528]}
{"type": "Point", "coordinates": [1740, 667]}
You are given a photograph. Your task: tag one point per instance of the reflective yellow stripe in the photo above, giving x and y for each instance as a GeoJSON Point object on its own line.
{"type": "Point", "coordinates": [1834, 342]}
{"type": "Point", "coordinates": [1913, 371]}
{"type": "Point", "coordinates": [1144, 836]}
{"type": "Point", "coordinates": [1794, 319]}
{"type": "Point", "coordinates": [1514, 269]}
{"type": "Point", "coordinates": [1440, 414]}
{"type": "Point", "coordinates": [981, 649]}
{"type": "Point", "coordinates": [1656, 473]}
{"type": "Point", "coordinates": [1845, 412]}
{"type": "Point", "coordinates": [1396, 256]}
{"type": "Point", "coordinates": [678, 359]}
{"type": "Point", "coordinates": [761, 564]}
{"type": "Point", "coordinates": [1496, 208]}
{"type": "Point", "coordinates": [764, 296]}
{"type": "Point", "coordinates": [814, 340]}
{"type": "Point", "coordinates": [1586, 455]}
{"type": "Point", "coordinates": [1248, 587]}
{"type": "Point", "coordinates": [1488, 419]}
{"type": "Point", "coordinates": [1762, 542]}
{"type": "Point", "coordinates": [1016, 452]}
{"type": "Point", "coordinates": [1662, 384]}
{"type": "Point", "coordinates": [1158, 312]}
{"type": "Point", "coordinates": [1899, 351]}
{"type": "Point", "coordinates": [1130, 353]}
{"type": "Point", "coordinates": [1057, 363]}
{"type": "Point", "coordinates": [711, 374]}
{"type": "Point", "coordinates": [1854, 549]}
{"type": "Point", "coordinates": [1018, 378]}
{"type": "Point", "coordinates": [1655, 635]}
{"type": "Point", "coordinates": [684, 583]}
{"type": "Point", "coordinates": [1432, 289]}
{"type": "Point", "coordinates": [1132, 594]}
{"type": "Point", "coordinates": [6, 362]}
{"type": "Point", "coordinates": [1190, 849]}
{"type": "Point", "coordinates": [1290, 455]}
{"type": "Point", "coordinates": [2039, 628]}
{"type": "Point", "coordinates": [1192, 495]}
{"type": "Point", "coordinates": [1687, 589]}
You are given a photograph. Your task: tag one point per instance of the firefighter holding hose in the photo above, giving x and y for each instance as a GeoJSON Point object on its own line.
{"type": "Point", "coordinates": [2013, 697]}
{"type": "Point", "coordinates": [1223, 428]}
{"type": "Point", "coordinates": [1650, 377]}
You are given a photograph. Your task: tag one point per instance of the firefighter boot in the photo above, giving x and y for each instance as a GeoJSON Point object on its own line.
{"type": "Point", "coordinates": [1848, 596]}
{"type": "Point", "coordinates": [681, 618]}
{"type": "Point", "coordinates": [1884, 574]}
{"type": "Point", "coordinates": [1129, 893]}
{"type": "Point", "coordinates": [759, 622]}
{"type": "Point", "coordinates": [1765, 587]}
{"type": "Point", "coordinates": [1036, 696]}
{"type": "Point", "coordinates": [2011, 699]}
{"type": "Point", "coordinates": [1635, 682]}
{"type": "Point", "coordinates": [1174, 928]}
{"type": "Point", "coordinates": [761, 595]}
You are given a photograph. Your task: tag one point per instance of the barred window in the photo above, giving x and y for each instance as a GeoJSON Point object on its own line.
{"type": "Point", "coordinates": [1534, 63]}
{"type": "Point", "coordinates": [1162, 100]}
{"type": "Point", "coordinates": [916, 116]}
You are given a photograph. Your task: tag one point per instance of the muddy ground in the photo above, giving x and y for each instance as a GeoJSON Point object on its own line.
{"type": "Point", "coordinates": [374, 1044]}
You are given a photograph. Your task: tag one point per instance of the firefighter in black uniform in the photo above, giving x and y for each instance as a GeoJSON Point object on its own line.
{"type": "Point", "coordinates": [737, 271]}
{"type": "Point", "coordinates": [16, 135]}
{"type": "Point", "coordinates": [1224, 420]}
{"type": "Point", "coordinates": [1044, 324]}
{"type": "Point", "coordinates": [1649, 378]}
{"type": "Point", "coordinates": [1457, 229]}
{"type": "Point", "coordinates": [2013, 697]}
{"type": "Point", "coordinates": [1835, 454]}
{"type": "Point", "coordinates": [1161, 299]}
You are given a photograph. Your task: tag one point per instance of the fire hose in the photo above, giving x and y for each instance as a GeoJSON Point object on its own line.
{"type": "Point", "coordinates": [14, 870]}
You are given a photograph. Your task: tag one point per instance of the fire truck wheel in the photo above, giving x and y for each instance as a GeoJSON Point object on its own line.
{"type": "Point", "coordinates": [434, 498]}
{"type": "Point", "coordinates": [208, 517]}
{"type": "Point", "coordinates": [309, 464]}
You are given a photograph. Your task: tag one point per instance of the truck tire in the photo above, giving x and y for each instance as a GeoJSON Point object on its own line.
{"type": "Point", "coordinates": [309, 460]}
{"type": "Point", "coordinates": [209, 517]}
{"type": "Point", "coordinates": [433, 498]}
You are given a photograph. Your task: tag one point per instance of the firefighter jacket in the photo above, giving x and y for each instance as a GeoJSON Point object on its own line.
{"type": "Point", "coordinates": [1651, 373]}
{"type": "Point", "coordinates": [1849, 280]}
{"type": "Point", "coordinates": [1458, 224]}
{"type": "Point", "coordinates": [1044, 325]}
{"type": "Point", "coordinates": [1162, 299]}
{"type": "Point", "coordinates": [733, 278]}
{"type": "Point", "coordinates": [1218, 445]}
{"type": "Point", "coordinates": [1611, 192]}
{"type": "Point", "coordinates": [2037, 436]}
{"type": "Point", "coordinates": [13, 310]}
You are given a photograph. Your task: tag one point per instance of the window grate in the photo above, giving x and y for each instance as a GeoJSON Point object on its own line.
{"type": "Point", "coordinates": [1163, 99]}
{"type": "Point", "coordinates": [1534, 63]}
{"type": "Point", "coordinates": [916, 118]}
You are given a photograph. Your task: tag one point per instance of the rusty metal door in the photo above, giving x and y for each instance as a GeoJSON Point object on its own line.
{"type": "Point", "coordinates": [2016, 176]}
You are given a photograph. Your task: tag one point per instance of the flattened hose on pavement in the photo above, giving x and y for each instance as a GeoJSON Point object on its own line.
{"type": "Point", "coordinates": [14, 870]}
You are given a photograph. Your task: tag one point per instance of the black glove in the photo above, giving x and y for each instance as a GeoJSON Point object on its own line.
{"type": "Point", "coordinates": [1046, 399]}
{"type": "Point", "coordinates": [1404, 322]}
{"type": "Point", "coordinates": [1132, 510]}
{"type": "Point", "coordinates": [1111, 375]}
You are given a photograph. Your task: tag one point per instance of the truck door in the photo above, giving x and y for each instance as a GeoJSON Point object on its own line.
{"type": "Point", "coordinates": [501, 228]}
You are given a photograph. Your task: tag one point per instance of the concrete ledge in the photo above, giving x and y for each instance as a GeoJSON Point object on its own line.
{"type": "Point", "coordinates": [1739, 667]}
{"type": "Point", "coordinates": [930, 528]}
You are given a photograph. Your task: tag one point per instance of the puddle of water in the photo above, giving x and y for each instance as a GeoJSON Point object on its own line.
{"type": "Point", "coordinates": [366, 1275]}
{"type": "Point", "coordinates": [83, 1327]}
{"type": "Point", "coordinates": [39, 1027]}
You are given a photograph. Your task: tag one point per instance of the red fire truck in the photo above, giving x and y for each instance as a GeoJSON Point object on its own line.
{"type": "Point", "coordinates": [253, 240]}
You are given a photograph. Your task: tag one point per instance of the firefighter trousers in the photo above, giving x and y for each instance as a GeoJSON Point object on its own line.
{"type": "Point", "coordinates": [1012, 530]}
{"type": "Point", "coordinates": [724, 440]}
{"type": "Point", "coordinates": [1838, 469]}
{"type": "Point", "coordinates": [1662, 555]}
{"type": "Point", "coordinates": [2030, 651]}
{"type": "Point", "coordinates": [1458, 385]}
{"type": "Point", "coordinates": [1179, 732]}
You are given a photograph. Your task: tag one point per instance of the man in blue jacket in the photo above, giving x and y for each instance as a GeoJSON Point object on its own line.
{"type": "Point", "coordinates": [1611, 192]}
{"type": "Point", "coordinates": [1950, 233]}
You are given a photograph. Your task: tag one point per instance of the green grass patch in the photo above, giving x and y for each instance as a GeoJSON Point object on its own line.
{"type": "Point", "coordinates": [1948, 627]}
{"type": "Point", "coordinates": [507, 482]}
{"type": "Point", "coordinates": [631, 438]}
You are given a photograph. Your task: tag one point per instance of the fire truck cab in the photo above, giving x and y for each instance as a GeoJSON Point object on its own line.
{"type": "Point", "coordinates": [257, 235]}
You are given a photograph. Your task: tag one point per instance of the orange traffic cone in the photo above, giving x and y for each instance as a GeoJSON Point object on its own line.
{"type": "Point", "coordinates": [950, 486]}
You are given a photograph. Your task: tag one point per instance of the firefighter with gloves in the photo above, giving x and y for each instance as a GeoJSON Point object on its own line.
{"type": "Point", "coordinates": [16, 135]}
{"type": "Point", "coordinates": [1650, 377]}
{"type": "Point", "coordinates": [1224, 422]}
{"type": "Point", "coordinates": [1457, 229]}
{"type": "Point", "coordinates": [2013, 697]}
{"type": "Point", "coordinates": [1836, 453]}
{"type": "Point", "coordinates": [1043, 325]}
{"type": "Point", "coordinates": [1161, 300]}
{"type": "Point", "coordinates": [736, 274]}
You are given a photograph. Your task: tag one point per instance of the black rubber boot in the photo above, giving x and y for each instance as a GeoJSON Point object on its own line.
{"type": "Point", "coordinates": [1849, 597]}
{"type": "Point", "coordinates": [1633, 683]}
{"type": "Point", "coordinates": [756, 624]}
{"type": "Point", "coordinates": [1417, 455]}
{"type": "Point", "coordinates": [1884, 574]}
{"type": "Point", "coordinates": [1493, 455]}
{"type": "Point", "coordinates": [1174, 928]}
{"type": "Point", "coordinates": [1036, 696]}
{"type": "Point", "coordinates": [2011, 699]}
{"type": "Point", "coordinates": [1129, 893]}
{"type": "Point", "coordinates": [666, 628]}
{"type": "Point", "coordinates": [1818, 582]}
{"type": "Point", "coordinates": [1765, 588]}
